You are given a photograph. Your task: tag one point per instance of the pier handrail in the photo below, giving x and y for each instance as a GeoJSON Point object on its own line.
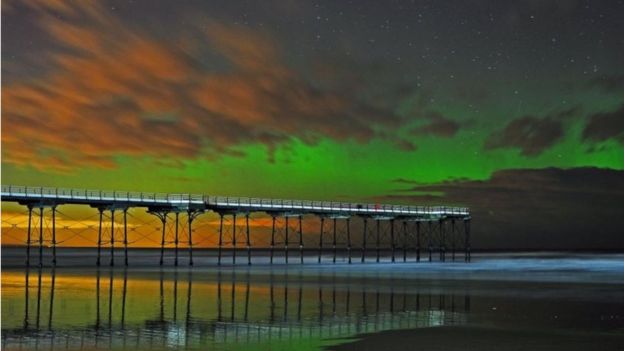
{"type": "Point", "coordinates": [148, 198]}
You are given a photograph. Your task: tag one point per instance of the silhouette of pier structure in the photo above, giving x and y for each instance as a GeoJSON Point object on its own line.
{"type": "Point", "coordinates": [419, 231]}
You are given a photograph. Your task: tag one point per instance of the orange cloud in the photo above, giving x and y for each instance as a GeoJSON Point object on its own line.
{"type": "Point", "coordinates": [114, 90]}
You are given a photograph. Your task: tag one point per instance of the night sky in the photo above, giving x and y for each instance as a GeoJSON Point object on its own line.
{"type": "Point", "coordinates": [513, 108]}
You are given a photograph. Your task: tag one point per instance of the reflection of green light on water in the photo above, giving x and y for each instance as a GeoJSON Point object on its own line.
{"type": "Point", "coordinates": [171, 320]}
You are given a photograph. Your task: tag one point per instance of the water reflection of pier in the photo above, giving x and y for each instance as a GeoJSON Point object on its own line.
{"type": "Point", "coordinates": [295, 309]}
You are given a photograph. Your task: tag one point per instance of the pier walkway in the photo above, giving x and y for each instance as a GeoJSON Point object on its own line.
{"type": "Point", "coordinates": [440, 220]}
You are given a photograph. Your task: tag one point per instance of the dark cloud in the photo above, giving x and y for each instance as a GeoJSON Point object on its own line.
{"type": "Point", "coordinates": [531, 134]}
{"type": "Point", "coordinates": [405, 145]}
{"type": "Point", "coordinates": [608, 83]}
{"type": "Point", "coordinates": [406, 181]}
{"type": "Point", "coordinates": [438, 125]}
{"type": "Point", "coordinates": [536, 208]}
{"type": "Point", "coordinates": [605, 126]}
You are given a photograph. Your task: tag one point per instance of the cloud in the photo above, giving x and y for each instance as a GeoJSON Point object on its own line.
{"type": "Point", "coordinates": [113, 90]}
{"type": "Point", "coordinates": [535, 208]}
{"type": "Point", "coordinates": [605, 126]}
{"type": "Point", "coordinates": [610, 84]}
{"type": "Point", "coordinates": [531, 134]}
{"type": "Point", "coordinates": [405, 145]}
{"type": "Point", "coordinates": [407, 181]}
{"type": "Point", "coordinates": [438, 125]}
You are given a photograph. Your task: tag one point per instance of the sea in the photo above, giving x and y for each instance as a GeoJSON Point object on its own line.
{"type": "Point", "coordinates": [497, 301]}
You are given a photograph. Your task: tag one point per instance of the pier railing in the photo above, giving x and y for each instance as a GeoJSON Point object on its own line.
{"type": "Point", "coordinates": [147, 198]}
{"type": "Point", "coordinates": [330, 206]}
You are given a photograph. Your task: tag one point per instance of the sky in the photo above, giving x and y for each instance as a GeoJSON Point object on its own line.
{"type": "Point", "coordinates": [512, 108]}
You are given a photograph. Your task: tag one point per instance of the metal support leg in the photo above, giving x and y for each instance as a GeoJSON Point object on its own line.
{"type": "Point", "coordinates": [28, 236]}
{"type": "Point", "coordinates": [429, 239]}
{"type": "Point", "coordinates": [404, 241]}
{"type": "Point", "coordinates": [442, 241]}
{"type": "Point", "coordinates": [248, 241]}
{"type": "Point", "coordinates": [175, 240]}
{"type": "Point", "coordinates": [272, 239]}
{"type": "Point", "coordinates": [286, 240]}
{"type": "Point", "coordinates": [112, 239]}
{"type": "Point", "coordinates": [320, 252]}
{"type": "Point", "coordinates": [190, 237]}
{"type": "Point", "coordinates": [234, 238]}
{"type": "Point", "coordinates": [301, 238]}
{"type": "Point", "coordinates": [364, 241]}
{"type": "Point", "coordinates": [467, 244]}
{"type": "Point", "coordinates": [348, 240]}
{"type": "Point", "coordinates": [378, 242]}
{"type": "Point", "coordinates": [417, 241]}
{"type": "Point", "coordinates": [163, 219]}
{"type": "Point", "coordinates": [125, 224]}
{"type": "Point", "coordinates": [99, 242]}
{"type": "Point", "coordinates": [334, 242]}
{"type": "Point", "coordinates": [26, 299]}
{"type": "Point", "coordinates": [40, 237]}
{"type": "Point", "coordinates": [220, 239]}
{"type": "Point", "coordinates": [392, 239]}
{"type": "Point", "coordinates": [453, 235]}
{"type": "Point", "coordinates": [53, 235]}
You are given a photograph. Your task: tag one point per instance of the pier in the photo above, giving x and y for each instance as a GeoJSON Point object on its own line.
{"type": "Point", "coordinates": [408, 233]}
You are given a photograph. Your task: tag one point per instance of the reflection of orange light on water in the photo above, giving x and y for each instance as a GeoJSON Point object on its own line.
{"type": "Point", "coordinates": [75, 296]}
{"type": "Point", "coordinates": [14, 281]}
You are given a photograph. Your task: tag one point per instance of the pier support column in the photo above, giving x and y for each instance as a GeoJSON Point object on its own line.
{"type": "Point", "coordinates": [417, 241]}
{"type": "Point", "coordinates": [404, 241]}
{"type": "Point", "coordinates": [349, 240]}
{"type": "Point", "coordinates": [220, 239]}
{"type": "Point", "coordinates": [393, 244]}
{"type": "Point", "coordinates": [99, 241]}
{"type": "Point", "coordinates": [453, 237]}
{"type": "Point", "coordinates": [442, 241]}
{"type": "Point", "coordinates": [28, 241]}
{"type": "Point", "coordinates": [234, 238]}
{"type": "Point", "coordinates": [467, 243]}
{"type": "Point", "coordinates": [430, 242]}
{"type": "Point", "coordinates": [286, 239]}
{"type": "Point", "coordinates": [248, 241]}
{"type": "Point", "coordinates": [378, 241]}
{"type": "Point", "coordinates": [320, 252]}
{"type": "Point", "coordinates": [272, 238]}
{"type": "Point", "coordinates": [125, 224]}
{"type": "Point", "coordinates": [162, 214]}
{"type": "Point", "coordinates": [175, 240]}
{"type": "Point", "coordinates": [162, 241]}
{"type": "Point", "coordinates": [53, 235]}
{"type": "Point", "coordinates": [190, 237]}
{"type": "Point", "coordinates": [334, 242]}
{"type": "Point", "coordinates": [40, 236]}
{"type": "Point", "coordinates": [192, 214]}
{"type": "Point", "coordinates": [301, 238]}
{"type": "Point", "coordinates": [112, 238]}
{"type": "Point", "coordinates": [364, 241]}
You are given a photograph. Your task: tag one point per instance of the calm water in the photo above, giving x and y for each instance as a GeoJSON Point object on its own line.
{"type": "Point", "coordinates": [550, 300]}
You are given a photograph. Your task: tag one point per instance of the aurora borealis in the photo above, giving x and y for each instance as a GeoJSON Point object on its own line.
{"type": "Point", "coordinates": [513, 108]}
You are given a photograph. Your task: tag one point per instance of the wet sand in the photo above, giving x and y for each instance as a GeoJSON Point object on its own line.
{"type": "Point", "coordinates": [481, 338]}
